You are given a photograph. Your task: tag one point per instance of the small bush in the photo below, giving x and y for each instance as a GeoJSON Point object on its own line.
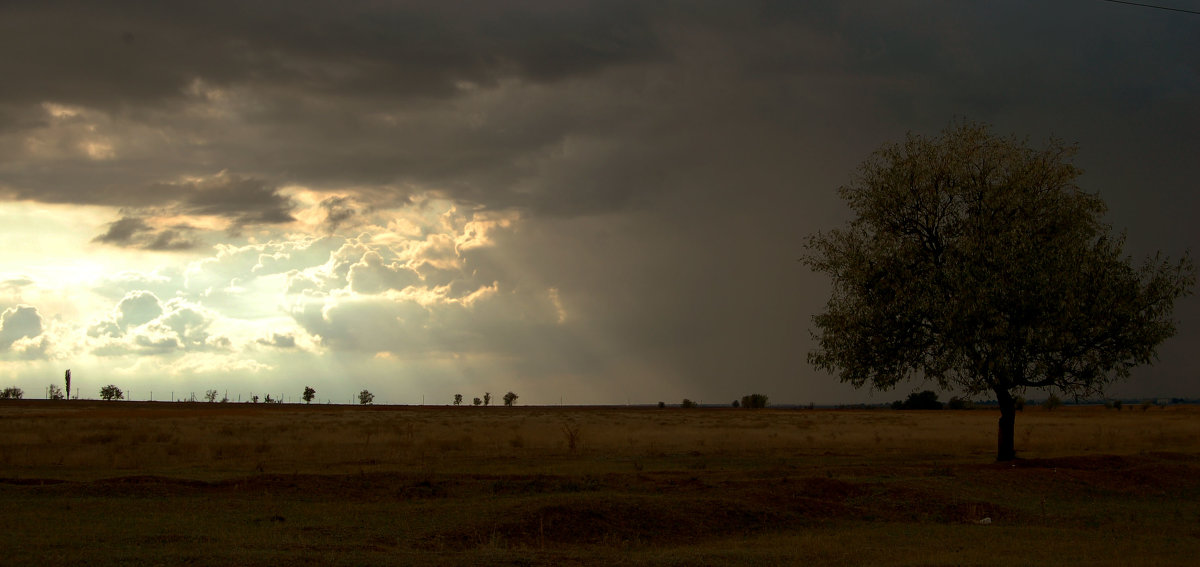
{"type": "Point", "coordinates": [662, 405]}
{"type": "Point", "coordinates": [688, 404]}
{"type": "Point", "coordinates": [458, 399]}
{"type": "Point", "coordinates": [1052, 402]}
{"type": "Point", "coordinates": [478, 402]}
{"type": "Point", "coordinates": [510, 398]}
{"type": "Point", "coordinates": [572, 435]}
{"type": "Point", "coordinates": [210, 396]}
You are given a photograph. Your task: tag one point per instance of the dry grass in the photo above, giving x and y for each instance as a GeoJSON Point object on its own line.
{"type": "Point", "coordinates": [256, 484]}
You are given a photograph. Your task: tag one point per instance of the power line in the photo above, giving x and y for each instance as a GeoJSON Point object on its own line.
{"type": "Point", "coordinates": [1154, 6]}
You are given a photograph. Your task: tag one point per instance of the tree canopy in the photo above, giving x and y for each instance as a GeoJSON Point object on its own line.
{"type": "Point", "coordinates": [974, 261]}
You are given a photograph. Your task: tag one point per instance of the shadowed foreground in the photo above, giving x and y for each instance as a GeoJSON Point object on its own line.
{"type": "Point", "coordinates": [255, 485]}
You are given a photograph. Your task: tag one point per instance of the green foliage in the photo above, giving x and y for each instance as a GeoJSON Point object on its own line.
{"type": "Point", "coordinates": [309, 393]}
{"type": "Point", "coordinates": [458, 399]}
{"type": "Point", "coordinates": [510, 398]}
{"type": "Point", "coordinates": [976, 262]}
{"type": "Point", "coordinates": [11, 393]}
{"type": "Point", "coordinates": [754, 401]}
{"type": "Point", "coordinates": [688, 404]}
{"type": "Point", "coordinates": [111, 392]}
{"type": "Point", "coordinates": [366, 398]}
{"type": "Point", "coordinates": [56, 392]}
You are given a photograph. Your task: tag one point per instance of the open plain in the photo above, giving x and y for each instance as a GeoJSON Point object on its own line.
{"type": "Point", "coordinates": [113, 483]}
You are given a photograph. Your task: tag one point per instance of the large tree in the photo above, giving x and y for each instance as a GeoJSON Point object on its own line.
{"type": "Point", "coordinates": [975, 262]}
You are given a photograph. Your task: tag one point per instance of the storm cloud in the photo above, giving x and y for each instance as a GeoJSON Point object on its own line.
{"type": "Point", "coordinates": [600, 198]}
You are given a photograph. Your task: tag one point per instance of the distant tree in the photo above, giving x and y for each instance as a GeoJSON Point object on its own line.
{"type": "Point", "coordinates": [687, 404]}
{"type": "Point", "coordinates": [924, 400]}
{"type": "Point", "coordinates": [458, 399]}
{"type": "Point", "coordinates": [736, 404]}
{"type": "Point", "coordinates": [478, 401]}
{"type": "Point", "coordinates": [487, 398]}
{"type": "Point", "coordinates": [268, 399]}
{"type": "Point", "coordinates": [254, 399]}
{"type": "Point", "coordinates": [210, 396]}
{"type": "Point", "coordinates": [366, 398]}
{"type": "Point", "coordinates": [975, 261]}
{"type": "Point", "coordinates": [11, 393]}
{"type": "Point", "coordinates": [111, 392]}
{"type": "Point", "coordinates": [957, 403]}
{"type": "Point", "coordinates": [510, 398]}
{"type": "Point", "coordinates": [55, 392]}
{"type": "Point", "coordinates": [308, 394]}
{"type": "Point", "coordinates": [67, 378]}
{"type": "Point", "coordinates": [662, 405]}
{"type": "Point", "coordinates": [754, 401]}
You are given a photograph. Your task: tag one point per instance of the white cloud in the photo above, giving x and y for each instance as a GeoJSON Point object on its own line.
{"type": "Point", "coordinates": [22, 321]}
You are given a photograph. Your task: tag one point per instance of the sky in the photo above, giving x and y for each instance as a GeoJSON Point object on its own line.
{"type": "Point", "coordinates": [581, 202]}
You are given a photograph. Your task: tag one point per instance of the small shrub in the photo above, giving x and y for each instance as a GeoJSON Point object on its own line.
{"type": "Point", "coordinates": [662, 405]}
{"type": "Point", "coordinates": [478, 402]}
{"type": "Point", "coordinates": [210, 396]}
{"type": "Point", "coordinates": [1052, 402]}
{"type": "Point", "coordinates": [735, 403]}
{"type": "Point", "coordinates": [458, 399]}
{"type": "Point", "coordinates": [572, 435]}
{"type": "Point", "coordinates": [688, 404]}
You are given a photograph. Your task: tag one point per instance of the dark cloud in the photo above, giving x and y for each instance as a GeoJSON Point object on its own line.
{"type": "Point", "coordinates": [338, 210]}
{"type": "Point", "coordinates": [667, 159]}
{"type": "Point", "coordinates": [278, 341]}
{"type": "Point", "coordinates": [246, 201]}
{"type": "Point", "coordinates": [134, 232]}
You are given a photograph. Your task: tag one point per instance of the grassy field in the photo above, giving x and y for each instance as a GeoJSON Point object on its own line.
{"type": "Point", "coordinates": [109, 483]}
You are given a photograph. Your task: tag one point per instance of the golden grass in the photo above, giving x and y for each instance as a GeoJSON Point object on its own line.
{"type": "Point", "coordinates": [256, 484]}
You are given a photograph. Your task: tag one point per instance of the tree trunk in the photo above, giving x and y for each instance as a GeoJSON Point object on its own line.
{"type": "Point", "coordinates": [1008, 419]}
